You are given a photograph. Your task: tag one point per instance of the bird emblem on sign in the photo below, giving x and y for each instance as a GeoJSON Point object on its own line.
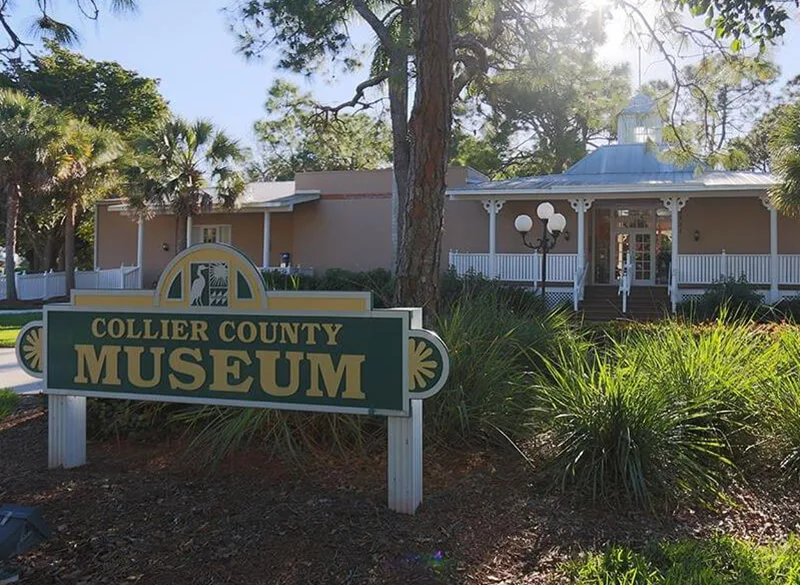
{"type": "Point", "coordinates": [209, 284]}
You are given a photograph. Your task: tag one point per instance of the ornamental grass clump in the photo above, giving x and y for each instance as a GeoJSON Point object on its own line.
{"type": "Point", "coordinates": [494, 343]}
{"type": "Point", "coordinates": [655, 416]}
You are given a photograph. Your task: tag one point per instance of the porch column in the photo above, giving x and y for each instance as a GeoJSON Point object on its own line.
{"type": "Point", "coordinates": [188, 231]}
{"type": "Point", "coordinates": [674, 205]}
{"type": "Point", "coordinates": [140, 250]}
{"type": "Point", "coordinates": [493, 207]}
{"type": "Point", "coordinates": [774, 260]}
{"type": "Point", "coordinates": [265, 245]}
{"type": "Point", "coordinates": [581, 205]}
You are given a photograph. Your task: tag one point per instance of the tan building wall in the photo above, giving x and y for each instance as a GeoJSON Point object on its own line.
{"type": "Point", "coordinates": [738, 225]}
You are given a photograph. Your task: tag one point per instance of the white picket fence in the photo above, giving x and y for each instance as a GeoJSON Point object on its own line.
{"type": "Point", "coordinates": [517, 267]}
{"type": "Point", "coordinates": [47, 285]}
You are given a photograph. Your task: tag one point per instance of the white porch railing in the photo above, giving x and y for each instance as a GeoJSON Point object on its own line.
{"type": "Point", "coordinates": [517, 267]}
{"type": "Point", "coordinates": [48, 285]}
{"type": "Point", "coordinates": [625, 282]}
{"type": "Point", "coordinates": [707, 268]}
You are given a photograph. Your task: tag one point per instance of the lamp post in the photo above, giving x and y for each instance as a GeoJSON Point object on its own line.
{"type": "Point", "coordinates": [553, 225]}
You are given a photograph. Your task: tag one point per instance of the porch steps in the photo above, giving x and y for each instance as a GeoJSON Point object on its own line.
{"type": "Point", "coordinates": [645, 303]}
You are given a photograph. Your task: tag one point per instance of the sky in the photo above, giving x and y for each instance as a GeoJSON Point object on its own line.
{"type": "Point", "coordinates": [187, 45]}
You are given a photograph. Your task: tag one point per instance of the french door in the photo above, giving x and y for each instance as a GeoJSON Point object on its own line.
{"type": "Point", "coordinates": [639, 242]}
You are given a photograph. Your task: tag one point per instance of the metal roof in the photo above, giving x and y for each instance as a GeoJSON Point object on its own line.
{"type": "Point", "coordinates": [624, 167]}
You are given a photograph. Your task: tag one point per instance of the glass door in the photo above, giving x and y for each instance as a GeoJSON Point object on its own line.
{"type": "Point", "coordinates": [634, 233]}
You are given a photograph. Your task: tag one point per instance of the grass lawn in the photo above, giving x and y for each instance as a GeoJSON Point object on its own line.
{"type": "Point", "coordinates": [8, 401]}
{"type": "Point", "coordinates": [11, 324]}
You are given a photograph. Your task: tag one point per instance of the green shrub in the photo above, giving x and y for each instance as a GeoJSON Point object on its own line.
{"type": "Point", "coordinates": [379, 282]}
{"type": "Point", "coordinates": [658, 415]}
{"type": "Point", "coordinates": [732, 297]}
{"type": "Point", "coordinates": [493, 342]}
{"type": "Point", "coordinates": [110, 418]}
{"type": "Point", "coordinates": [718, 560]}
{"type": "Point", "coordinates": [8, 401]}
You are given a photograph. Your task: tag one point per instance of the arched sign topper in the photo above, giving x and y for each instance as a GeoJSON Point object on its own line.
{"type": "Point", "coordinates": [212, 334]}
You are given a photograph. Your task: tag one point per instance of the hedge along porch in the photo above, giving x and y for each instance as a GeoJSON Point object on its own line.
{"type": "Point", "coordinates": [684, 227]}
{"type": "Point", "coordinates": [212, 334]}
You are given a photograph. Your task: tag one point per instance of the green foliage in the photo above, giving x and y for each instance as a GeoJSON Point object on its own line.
{"type": "Point", "coordinates": [102, 93]}
{"type": "Point", "coordinates": [785, 150]}
{"type": "Point", "coordinates": [656, 416]}
{"type": "Point", "coordinates": [8, 401]}
{"type": "Point", "coordinates": [719, 560]}
{"type": "Point", "coordinates": [186, 167]}
{"type": "Point", "coordinates": [379, 282]}
{"type": "Point", "coordinates": [115, 419]}
{"type": "Point", "coordinates": [495, 337]}
{"type": "Point", "coordinates": [730, 297]}
{"type": "Point", "coordinates": [296, 137]}
{"type": "Point", "coordinates": [761, 21]}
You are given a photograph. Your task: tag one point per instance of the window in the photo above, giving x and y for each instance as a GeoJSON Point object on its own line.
{"type": "Point", "coordinates": [210, 234]}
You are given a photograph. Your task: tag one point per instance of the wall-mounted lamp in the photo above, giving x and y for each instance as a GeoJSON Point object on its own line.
{"type": "Point", "coordinates": [165, 247]}
{"type": "Point", "coordinates": [696, 235]}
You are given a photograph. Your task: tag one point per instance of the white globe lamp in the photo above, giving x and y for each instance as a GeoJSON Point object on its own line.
{"type": "Point", "coordinates": [556, 223]}
{"type": "Point", "coordinates": [523, 224]}
{"type": "Point", "coordinates": [545, 211]}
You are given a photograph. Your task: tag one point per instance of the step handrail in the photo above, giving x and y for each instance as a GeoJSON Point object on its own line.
{"type": "Point", "coordinates": [625, 280]}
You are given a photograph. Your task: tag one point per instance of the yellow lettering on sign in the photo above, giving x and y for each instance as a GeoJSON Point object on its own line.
{"type": "Point", "coordinates": [268, 365]}
{"type": "Point", "coordinates": [179, 332]}
{"type": "Point", "coordinates": [97, 366]}
{"type": "Point", "coordinates": [179, 365]}
{"type": "Point", "coordinates": [311, 330]}
{"type": "Point", "coordinates": [96, 327]}
{"type": "Point", "coordinates": [228, 363]}
{"type": "Point", "coordinates": [199, 330]}
{"type": "Point", "coordinates": [289, 333]}
{"type": "Point", "coordinates": [349, 369]}
{"type": "Point", "coordinates": [223, 327]}
{"type": "Point", "coordinates": [135, 366]}
{"type": "Point", "coordinates": [332, 331]}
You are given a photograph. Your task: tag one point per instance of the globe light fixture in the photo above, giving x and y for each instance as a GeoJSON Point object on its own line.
{"type": "Point", "coordinates": [545, 210]}
{"type": "Point", "coordinates": [523, 224]}
{"type": "Point", "coordinates": [553, 225]}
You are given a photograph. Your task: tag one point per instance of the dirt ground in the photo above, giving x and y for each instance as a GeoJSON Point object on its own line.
{"type": "Point", "coordinates": [147, 513]}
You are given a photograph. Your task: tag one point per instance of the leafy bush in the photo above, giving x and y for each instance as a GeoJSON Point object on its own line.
{"type": "Point", "coordinates": [494, 341]}
{"type": "Point", "coordinates": [110, 418]}
{"type": "Point", "coordinates": [732, 297]}
{"type": "Point", "coordinates": [657, 415]}
{"type": "Point", "coordinates": [379, 282]}
{"type": "Point", "coordinates": [715, 561]}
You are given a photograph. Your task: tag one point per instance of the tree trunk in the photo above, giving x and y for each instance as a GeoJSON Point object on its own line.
{"type": "Point", "coordinates": [69, 247]}
{"type": "Point", "coordinates": [430, 124]}
{"type": "Point", "coordinates": [180, 231]}
{"type": "Point", "coordinates": [12, 213]}
{"type": "Point", "coordinates": [401, 149]}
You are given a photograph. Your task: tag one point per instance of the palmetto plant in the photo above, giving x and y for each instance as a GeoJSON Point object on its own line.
{"type": "Point", "coordinates": [29, 134]}
{"type": "Point", "coordinates": [87, 170]}
{"type": "Point", "coordinates": [785, 150]}
{"type": "Point", "coordinates": [186, 168]}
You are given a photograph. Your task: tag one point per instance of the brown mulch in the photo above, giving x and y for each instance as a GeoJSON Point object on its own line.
{"type": "Point", "coordinates": [147, 513]}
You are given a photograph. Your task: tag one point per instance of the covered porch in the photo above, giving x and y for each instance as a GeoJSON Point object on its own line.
{"type": "Point", "coordinates": [628, 241]}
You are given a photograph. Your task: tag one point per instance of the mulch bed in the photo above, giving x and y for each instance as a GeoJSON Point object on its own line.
{"type": "Point", "coordinates": [149, 513]}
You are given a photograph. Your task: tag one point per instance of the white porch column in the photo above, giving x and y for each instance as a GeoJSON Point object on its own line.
{"type": "Point", "coordinates": [674, 205]}
{"type": "Point", "coordinates": [188, 231]}
{"type": "Point", "coordinates": [265, 244]}
{"type": "Point", "coordinates": [774, 261]}
{"type": "Point", "coordinates": [140, 250]}
{"type": "Point", "coordinates": [581, 205]}
{"type": "Point", "coordinates": [493, 207]}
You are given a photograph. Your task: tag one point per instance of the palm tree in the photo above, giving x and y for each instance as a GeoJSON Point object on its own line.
{"type": "Point", "coordinates": [187, 168]}
{"type": "Point", "coordinates": [785, 152]}
{"type": "Point", "coordinates": [29, 130]}
{"type": "Point", "coordinates": [86, 171]}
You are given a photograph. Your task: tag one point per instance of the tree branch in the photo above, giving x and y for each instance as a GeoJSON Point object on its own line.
{"type": "Point", "coordinates": [359, 94]}
{"type": "Point", "coordinates": [374, 22]}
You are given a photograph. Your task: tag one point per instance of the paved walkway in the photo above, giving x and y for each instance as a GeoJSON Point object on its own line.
{"type": "Point", "coordinates": [12, 376]}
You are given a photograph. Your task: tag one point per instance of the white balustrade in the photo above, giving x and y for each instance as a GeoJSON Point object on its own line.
{"type": "Point", "coordinates": [517, 267]}
{"type": "Point", "coordinates": [708, 268]}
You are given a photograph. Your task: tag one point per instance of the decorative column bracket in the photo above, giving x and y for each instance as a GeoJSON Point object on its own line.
{"type": "Point", "coordinates": [581, 202]}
